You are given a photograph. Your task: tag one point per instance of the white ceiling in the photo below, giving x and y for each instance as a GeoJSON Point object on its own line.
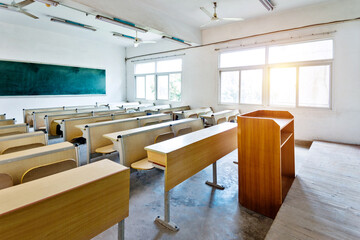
{"type": "Point", "coordinates": [178, 18]}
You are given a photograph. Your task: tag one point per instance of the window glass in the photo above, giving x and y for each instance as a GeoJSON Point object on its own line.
{"type": "Point", "coordinates": [175, 87]}
{"type": "Point", "coordinates": [142, 68]}
{"type": "Point", "coordinates": [229, 87]}
{"type": "Point", "coordinates": [169, 66]}
{"type": "Point", "coordinates": [309, 51]}
{"type": "Point", "coordinates": [314, 86]}
{"type": "Point", "coordinates": [243, 58]}
{"type": "Point", "coordinates": [251, 86]}
{"type": "Point", "coordinates": [163, 87]}
{"type": "Point", "coordinates": [283, 86]}
{"type": "Point", "coordinates": [140, 87]}
{"type": "Point", "coordinates": [150, 87]}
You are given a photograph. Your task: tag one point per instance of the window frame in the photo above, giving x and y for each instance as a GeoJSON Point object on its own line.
{"type": "Point", "coordinates": [156, 74]}
{"type": "Point", "coordinates": [266, 75]}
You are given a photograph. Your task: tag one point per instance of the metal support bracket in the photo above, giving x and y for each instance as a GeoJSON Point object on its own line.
{"type": "Point", "coordinates": [121, 230]}
{"type": "Point", "coordinates": [214, 182]}
{"type": "Point", "coordinates": [165, 222]}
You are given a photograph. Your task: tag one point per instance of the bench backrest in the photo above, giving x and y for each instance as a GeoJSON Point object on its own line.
{"type": "Point", "coordinates": [198, 111]}
{"type": "Point", "coordinates": [175, 109]}
{"type": "Point", "coordinates": [67, 205]}
{"type": "Point", "coordinates": [3, 116]}
{"type": "Point", "coordinates": [51, 125]}
{"type": "Point", "coordinates": [94, 132]}
{"type": "Point", "coordinates": [8, 142]}
{"type": "Point", "coordinates": [28, 113]}
{"type": "Point", "coordinates": [17, 163]}
{"type": "Point", "coordinates": [155, 108]}
{"type": "Point", "coordinates": [70, 131]}
{"type": "Point", "coordinates": [5, 122]}
{"type": "Point", "coordinates": [225, 114]}
{"type": "Point", "coordinates": [14, 129]}
{"type": "Point", "coordinates": [39, 117]}
{"type": "Point", "coordinates": [133, 142]}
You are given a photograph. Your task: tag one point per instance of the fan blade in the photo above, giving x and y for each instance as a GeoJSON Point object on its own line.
{"type": "Point", "coordinates": [28, 14]}
{"type": "Point", "coordinates": [233, 19]}
{"type": "Point", "coordinates": [206, 12]}
{"type": "Point", "coordinates": [24, 3]}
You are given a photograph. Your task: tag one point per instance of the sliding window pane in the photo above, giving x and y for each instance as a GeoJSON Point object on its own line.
{"type": "Point", "coordinates": [309, 51]}
{"type": "Point", "coordinates": [143, 68]}
{"type": "Point", "coordinates": [314, 86]}
{"type": "Point", "coordinates": [163, 87]}
{"type": "Point", "coordinates": [251, 86]}
{"type": "Point", "coordinates": [150, 87]}
{"type": "Point", "coordinates": [174, 65]}
{"type": "Point", "coordinates": [283, 86]}
{"type": "Point", "coordinates": [140, 87]}
{"type": "Point", "coordinates": [243, 58]}
{"type": "Point", "coordinates": [175, 87]}
{"type": "Point", "coordinates": [229, 87]}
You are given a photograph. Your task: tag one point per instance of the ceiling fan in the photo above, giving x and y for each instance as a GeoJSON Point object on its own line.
{"type": "Point", "coordinates": [18, 7]}
{"type": "Point", "coordinates": [137, 41]}
{"type": "Point", "coordinates": [215, 18]}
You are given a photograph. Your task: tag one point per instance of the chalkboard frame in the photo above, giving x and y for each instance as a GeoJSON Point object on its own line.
{"type": "Point", "coordinates": [57, 95]}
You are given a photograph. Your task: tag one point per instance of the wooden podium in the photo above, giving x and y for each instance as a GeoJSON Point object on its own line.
{"type": "Point", "coordinates": [266, 159]}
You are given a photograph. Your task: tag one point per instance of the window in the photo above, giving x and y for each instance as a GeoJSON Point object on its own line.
{"type": "Point", "coordinates": [292, 75]}
{"type": "Point", "coordinates": [160, 80]}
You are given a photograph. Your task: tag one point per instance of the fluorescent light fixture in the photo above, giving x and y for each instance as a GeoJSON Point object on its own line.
{"type": "Point", "coordinates": [49, 2]}
{"type": "Point", "coordinates": [267, 4]}
{"type": "Point", "coordinates": [123, 35]}
{"type": "Point", "coordinates": [59, 20]}
{"type": "Point", "coordinates": [121, 23]}
{"type": "Point", "coordinates": [178, 40]}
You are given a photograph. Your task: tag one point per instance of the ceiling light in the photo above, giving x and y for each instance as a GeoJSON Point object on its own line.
{"type": "Point", "coordinates": [123, 35]}
{"type": "Point", "coordinates": [177, 40]}
{"type": "Point", "coordinates": [49, 2]}
{"type": "Point", "coordinates": [267, 4]}
{"type": "Point", "coordinates": [121, 23]}
{"type": "Point", "coordinates": [75, 24]}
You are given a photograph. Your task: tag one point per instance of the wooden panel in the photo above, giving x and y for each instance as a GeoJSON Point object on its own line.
{"type": "Point", "coordinates": [7, 122]}
{"type": "Point", "coordinates": [16, 164]}
{"type": "Point", "coordinates": [22, 139]}
{"type": "Point", "coordinates": [194, 125]}
{"type": "Point", "coordinates": [191, 159]}
{"type": "Point", "coordinates": [198, 111]}
{"type": "Point", "coordinates": [2, 116]}
{"type": "Point", "coordinates": [76, 204]}
{"type": "Point", "coordinates": [153, 118]}
{"type": "Point", "coordinates": [5, 181]}
{"type": "Point", "coordinates": [13, 129]}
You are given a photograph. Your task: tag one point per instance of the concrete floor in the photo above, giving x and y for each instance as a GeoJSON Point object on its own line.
{"type": "Point", "coordinates": [200, 211]}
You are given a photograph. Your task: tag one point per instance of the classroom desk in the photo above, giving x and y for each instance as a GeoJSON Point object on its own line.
{"type": "Point", "coordinates": [76, 204]}
{"type": "Point", "coordinates": [187, 155]}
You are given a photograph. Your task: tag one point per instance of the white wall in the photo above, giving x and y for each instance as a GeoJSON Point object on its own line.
{"type": "Point", "coordinates": [340, 124]}
{"type": "Point", "coordinates": [18, 43]}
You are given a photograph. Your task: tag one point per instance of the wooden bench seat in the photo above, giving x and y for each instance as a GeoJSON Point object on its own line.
{"type": "Point", "coordinates": [17, 163]}
{"type": "Point", "coordinates": [14, 129]}
{"type": "Point", "coordinates": [5, 122]}
{"type": "Point", "coordinates": [131, 143]}
{"type": "Point", "coordinates": [93, 132]}
{"type": "Point", "coordinates": [20, 142]}
{"type": "Point", "coordinates": [106, 149]}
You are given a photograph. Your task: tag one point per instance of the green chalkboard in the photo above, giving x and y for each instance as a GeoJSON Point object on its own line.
{"type": "Point", "coordinates": [27, 79]}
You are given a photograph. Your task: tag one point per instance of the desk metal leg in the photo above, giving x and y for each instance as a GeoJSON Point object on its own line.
{"type": "Point", "coordinates": [214, 182]}
{"type": "Point", "coordinates": [165, 222]}
{"type": "Point", "coordinates": [121, 230]}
